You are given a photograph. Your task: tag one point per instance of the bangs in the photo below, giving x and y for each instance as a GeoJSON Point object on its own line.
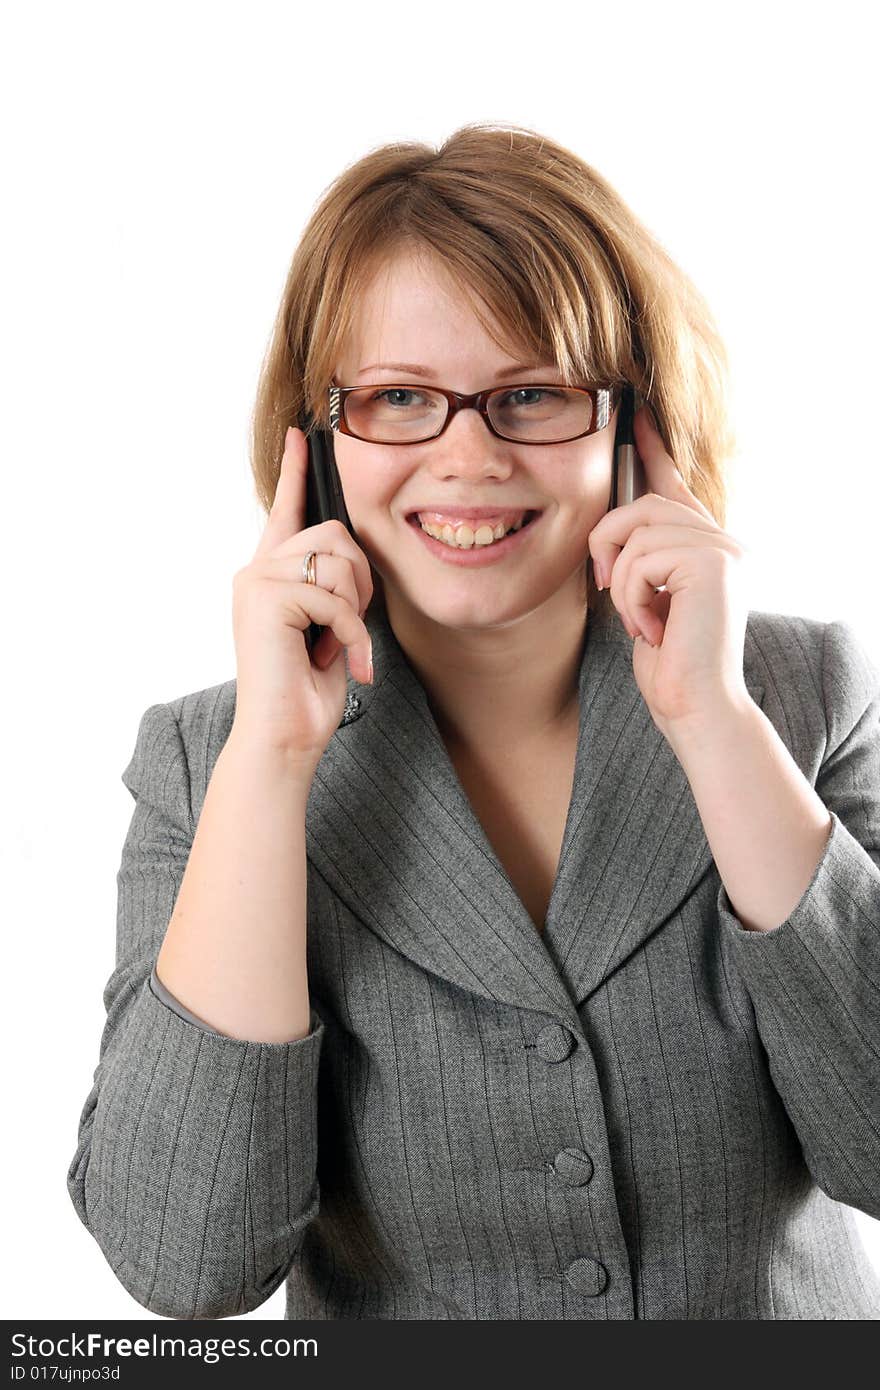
{"type": "Point", "coordinates": [532, 299]}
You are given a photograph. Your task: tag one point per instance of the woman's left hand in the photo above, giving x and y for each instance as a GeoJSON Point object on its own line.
{"type": "Point", "coordinates": [688, 660]}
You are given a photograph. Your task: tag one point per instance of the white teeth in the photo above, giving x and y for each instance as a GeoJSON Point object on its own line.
{"type": "Point", "coordinates": [464, 537]}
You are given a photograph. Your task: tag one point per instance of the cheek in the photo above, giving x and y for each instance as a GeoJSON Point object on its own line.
{"type": "Point", "coordinates": [582, 495]}
{"type": "Point", "coordinates": [370, 481]}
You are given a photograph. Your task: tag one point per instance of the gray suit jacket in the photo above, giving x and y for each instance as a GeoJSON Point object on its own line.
{"type": "Point", "coordinates": [645, 1112]}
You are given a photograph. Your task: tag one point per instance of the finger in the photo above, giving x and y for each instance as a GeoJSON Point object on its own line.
{"type": "Point", "coordinates": [661, 471]}
{"type": "Point", "coordinates": [286, 524]}
{"type": "Point", "coordinates": [333, 538]}
{"type": "Point", "coordinates": [613, 530]}
{"type": "Point", "coordinates": [662, 537]}
{"type": "Point", "coordinates": [288, 512]}
{"type": "Point", "coordinates": [333, 573]}
{"type": "Point", "coordinates": [332, 605]}
{"type": "Point", "coordinates": [341, 633]}
{"type": "Point", "coordinates": [641, 541]}
{"type": "Point", "coordinates": [328, 645]}
{"type": "Point", "coordinates": [653, 619]}
{"type": "Point", "coordinates": [343, 630]}
{"type": "Point", "coordinates": [643, 599]}
{"type": "Point", "coordinates": [646, 574]}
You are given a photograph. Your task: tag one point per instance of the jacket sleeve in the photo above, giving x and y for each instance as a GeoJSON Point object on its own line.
{"type": "Point", "coordinates": [814, 980]}
{"type": "Point", "coordinates": [196, 1163]}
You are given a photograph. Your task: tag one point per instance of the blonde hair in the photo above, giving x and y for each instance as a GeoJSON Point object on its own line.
{"type": "Point", "coordinates": [547, 246]}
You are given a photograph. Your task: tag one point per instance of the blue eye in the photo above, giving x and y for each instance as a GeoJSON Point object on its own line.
{"type": "Point", "coordinates": [526, 391]}
{"type": "Point", "coordinates": [393, 391]}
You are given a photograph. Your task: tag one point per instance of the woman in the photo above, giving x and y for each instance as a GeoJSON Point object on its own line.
{"type": "Point", "coordinates": [535, 972]}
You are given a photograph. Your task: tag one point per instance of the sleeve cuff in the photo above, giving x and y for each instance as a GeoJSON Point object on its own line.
{"type": "Point", "coordinates": [727, 912]}
{"type": "Point", "coordinates": [834, 928]}
{"type": "Point", "coordinates": [170, 1001]}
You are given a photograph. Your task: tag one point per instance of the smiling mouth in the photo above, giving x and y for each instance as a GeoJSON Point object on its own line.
{"type": "Point", "coordinates": [471, 533]}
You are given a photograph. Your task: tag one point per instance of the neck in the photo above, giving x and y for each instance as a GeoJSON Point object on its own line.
{"type": "Point", "coordinates": [497, 687]}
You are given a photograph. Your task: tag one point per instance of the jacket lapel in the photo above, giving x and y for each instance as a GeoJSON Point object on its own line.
{"type": "Point", "coordinates": [392, 831]}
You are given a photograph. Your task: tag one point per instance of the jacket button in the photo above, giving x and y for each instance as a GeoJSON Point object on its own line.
{"type": "Point", "coordinates": [554, 1043]}
{"type": "Point", "coordinates": [587, 1276]}
{"type": "Point", "coordinates": [573, 1166]}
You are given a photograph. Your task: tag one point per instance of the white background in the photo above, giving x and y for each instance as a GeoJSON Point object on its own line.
{"type": "Point", "coordinates": [160, 162]}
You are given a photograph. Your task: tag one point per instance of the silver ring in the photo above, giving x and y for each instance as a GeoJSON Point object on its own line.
{"type": "Point", "coordinates": [309, 573]}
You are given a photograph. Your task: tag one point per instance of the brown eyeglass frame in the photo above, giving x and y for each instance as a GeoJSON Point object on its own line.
{"type": "Point", "coordinates": [604, 398]}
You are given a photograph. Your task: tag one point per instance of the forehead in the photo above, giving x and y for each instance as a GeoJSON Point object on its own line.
{"type": "Point", "coordinates": [414, 310]}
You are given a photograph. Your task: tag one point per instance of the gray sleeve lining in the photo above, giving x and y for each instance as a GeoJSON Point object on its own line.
{"type": "Point", "coordinates": [168, 998]}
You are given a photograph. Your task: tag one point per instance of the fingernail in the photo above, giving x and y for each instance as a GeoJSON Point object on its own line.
{"type": "Point", "coordinates": [599, 574]}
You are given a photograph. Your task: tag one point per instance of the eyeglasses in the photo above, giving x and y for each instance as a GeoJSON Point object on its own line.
{"type": "Point", "coordinates": [542, 414]}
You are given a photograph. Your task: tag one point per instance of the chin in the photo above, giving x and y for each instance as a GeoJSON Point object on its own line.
{"type": "Point", "coordinates": [469, 611]}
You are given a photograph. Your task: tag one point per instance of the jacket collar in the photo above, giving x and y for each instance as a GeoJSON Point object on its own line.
{"type": "Point", "coordinates": [393, 833]}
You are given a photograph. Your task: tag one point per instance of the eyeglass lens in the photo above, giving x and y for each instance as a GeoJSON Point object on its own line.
{"type": "Point", "coordinates": [406, 414]}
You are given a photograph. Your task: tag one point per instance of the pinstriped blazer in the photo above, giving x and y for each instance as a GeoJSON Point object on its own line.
{"type": "Point", "coordinates": [646, 1111]}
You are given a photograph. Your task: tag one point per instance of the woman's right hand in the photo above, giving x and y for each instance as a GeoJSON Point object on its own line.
{"type": "Point", "coordinates": [285, 698]}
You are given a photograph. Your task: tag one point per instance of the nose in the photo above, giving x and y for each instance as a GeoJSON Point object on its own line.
{"type": "Point", "coordinates": [469, 444]}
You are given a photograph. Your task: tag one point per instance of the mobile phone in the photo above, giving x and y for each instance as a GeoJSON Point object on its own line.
{"type": "Point", "coordinates": [324, 497]}
{"type": "Point", "coordinates": [628, 480]}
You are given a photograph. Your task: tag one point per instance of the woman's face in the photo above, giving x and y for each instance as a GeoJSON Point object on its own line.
{"type": "Point", "coordinates": [412, 313]}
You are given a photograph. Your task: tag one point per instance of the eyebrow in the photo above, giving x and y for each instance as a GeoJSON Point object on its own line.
{"type": "Point", "coordinates": [413, 368]}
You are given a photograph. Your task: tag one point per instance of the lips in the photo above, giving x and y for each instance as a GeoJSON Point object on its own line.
{"type": "Point", "coordinates": [476, 556]}
{"type": "Point", "coordinates": [459, 516]}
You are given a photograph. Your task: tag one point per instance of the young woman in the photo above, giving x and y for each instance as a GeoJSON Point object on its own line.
{"type": "Point", "coordinates": [531, 970]}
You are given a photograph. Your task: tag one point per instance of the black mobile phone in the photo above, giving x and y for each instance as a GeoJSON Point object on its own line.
{"type": "Point", "coordinates": [628, 480]}
{"type": "Point", "coordinates": [324, 497]}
